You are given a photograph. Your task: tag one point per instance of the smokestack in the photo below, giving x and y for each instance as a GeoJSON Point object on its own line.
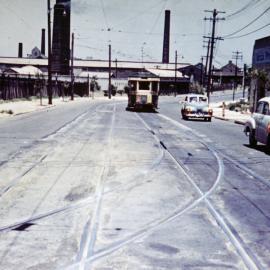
{"type": "Point", "coordinates": [43, 41]}
{"type": "Point", "coordinates": [61, 37]}
{"type": "Point", "coordinates": [20, 50]}
{"type": "Point", "coordinates": [166, 38]}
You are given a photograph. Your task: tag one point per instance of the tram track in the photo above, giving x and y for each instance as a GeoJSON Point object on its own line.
{"type": "Point", "coordinates": [15, 180]}
{"type": "Point", "coordinates": [158, 223]}
{"type": "Point", "coordinates": [88, 256]}
{"type": "Point", "coordinates": [45, 137]}
{"type": "Point", "coordinates": [86, 201]}
{"type": "Point", "coordinates": [248, 258]}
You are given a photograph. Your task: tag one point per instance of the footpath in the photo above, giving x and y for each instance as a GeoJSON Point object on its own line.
{"type": "Point", "coordinates": [12, 108]}
{"type": "Point", "coordinates": [239, 117]}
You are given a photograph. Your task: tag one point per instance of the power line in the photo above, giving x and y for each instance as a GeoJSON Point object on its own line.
{"type": "Point", "coordinates": [104, 14]}
{"type": "Point", "coordinates": [258, 17]}
{"type": "Point", "coordinates": [126, 21]}
{"type": "Point", "coordinates": [155, 23]}
{"type": "Point", "coordinates": [245, 7]}
{"type": "Point", "coordinates": [254, 31]}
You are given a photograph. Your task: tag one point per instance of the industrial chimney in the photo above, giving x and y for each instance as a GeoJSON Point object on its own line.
{"type": "Point", "coordinates": [61, 37]}
{"type": "Point", "coordinates": [43, 41]}
{"type": "Point", "coordinates": [166, 38]}
{"type": "Point", "coordinates": [20, 50]}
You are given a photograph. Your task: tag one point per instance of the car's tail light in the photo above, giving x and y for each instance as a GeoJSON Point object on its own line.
{"type": "Point", "coordinates": [210, 111]}
{"type": "Point", "coordinates": [268, 128]}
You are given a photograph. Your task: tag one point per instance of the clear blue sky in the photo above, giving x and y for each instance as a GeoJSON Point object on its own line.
{"type": "Point", "coordinates": [137, 24]}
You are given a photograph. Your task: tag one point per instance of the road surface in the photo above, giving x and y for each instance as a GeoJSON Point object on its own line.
{"type": "Point", "coordinates": [92, 186]}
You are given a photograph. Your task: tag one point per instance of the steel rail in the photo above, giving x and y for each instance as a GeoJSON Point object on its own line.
{"type": "Point", "coordinates": [15, 180]}
{"type": "Point", "coordinates": [156, 224]}
{"type": "Point", "coordinates": [84, 202]}
{"type": "Point", "coordinates": [248, 258]}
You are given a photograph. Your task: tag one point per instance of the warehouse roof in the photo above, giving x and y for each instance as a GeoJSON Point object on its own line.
{"type": "Point", "coordinates": [91, 63]}
{"type": "Point", "coordinates": [26, 70]}
{"type": "Point", "coordinates": [164, 73]}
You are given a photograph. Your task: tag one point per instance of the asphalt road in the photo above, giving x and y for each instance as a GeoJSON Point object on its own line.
{"type": "Point", "coordinates": [98, 187]}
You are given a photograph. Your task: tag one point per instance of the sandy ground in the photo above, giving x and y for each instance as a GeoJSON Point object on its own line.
{"type": "Point", "coordinates": [17, 107]}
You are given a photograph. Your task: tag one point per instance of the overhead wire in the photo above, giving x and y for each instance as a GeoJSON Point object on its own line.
{"type": "Point", "coordinates": [126, 21]}
{"type": "Point", "coordinates": [254, 31]}
{"type": "Point", "coordinates": [244, 8]}
{"type": "Point", "coordinates": [156, 21]}
{"type": "Point", "coordinates": [254, 20]}
{"type": "Point", "coordinates": [104, 14]}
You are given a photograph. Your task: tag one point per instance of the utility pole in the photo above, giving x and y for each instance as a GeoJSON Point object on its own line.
{"type": "Point", "coordinates": [49, 89]}
{"type": "Point", "coordinates": [213, 38]}
{"type": "Point", "coordinates": [201, 70]}
{"type": "Point", "coordinates": [207, 59]}
{"type": "Point", "coordinates": [244, 79]}
{"type": "Point", "coordinates": [110, 84]}
{"type": "Point", "coordinates": [237, 56]}
{"type": "Point", "coordinates": [72, 68]}
{"type": "Point", "coordinates": [175, 73]}
{"type": "Point", "coordinates": [116, 68]}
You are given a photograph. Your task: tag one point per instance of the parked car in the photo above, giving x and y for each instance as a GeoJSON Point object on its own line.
{"type": "Point", "coordinates": [258, 126]}
{"type": "Point", "coordinates": [196, 106]}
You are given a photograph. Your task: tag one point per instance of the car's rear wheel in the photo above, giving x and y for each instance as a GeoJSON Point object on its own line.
{"type": "Point", "coordinates": [252, 139]}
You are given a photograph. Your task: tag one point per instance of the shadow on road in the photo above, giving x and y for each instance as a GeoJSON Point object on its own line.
{"type": "Point", "coordinates": [262, 148]}
{"type": "Point", "coordinates": [141, 110]}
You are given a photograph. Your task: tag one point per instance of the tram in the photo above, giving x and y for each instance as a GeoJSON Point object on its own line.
{"type": "Point", "coordinates": [143, 93]}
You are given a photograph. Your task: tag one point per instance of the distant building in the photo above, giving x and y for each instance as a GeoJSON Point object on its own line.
{"type": "Point", "coordinates": [227, 76]}
{"type": "Point", "coordinates": [261, 54]}
{"type": "Point", "coordinates": [36, 54]}
{"type": "Point", "coordinates": [193, 71]}
{"type": "Point", "coordinates": [171, 81]}
{"type": "Point", "coordinates": [259, 86]}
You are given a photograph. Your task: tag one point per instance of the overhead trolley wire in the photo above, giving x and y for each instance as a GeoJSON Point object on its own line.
{"type": "Point", "coordinates": [127, 20]}
{"type": "Point", "coordinates": [245, 7]}
{"type": "Point", "coordinates": [254, 31]}
{"type": "Point", "coordinates": [258, 17]}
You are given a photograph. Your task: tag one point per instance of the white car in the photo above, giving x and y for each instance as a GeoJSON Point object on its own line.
{"type": "Point", "coordinates": [258, 126]}
{"type": "Point", "coordinates": [196, 106]}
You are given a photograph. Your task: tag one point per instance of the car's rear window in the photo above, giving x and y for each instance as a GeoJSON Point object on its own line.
{"type": "Point", "coordinates": [193, 99]}
{"type": "Point", "coordinates": [202, 99]}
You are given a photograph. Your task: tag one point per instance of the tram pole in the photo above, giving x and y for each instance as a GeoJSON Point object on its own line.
{"type": "Point", "coordinates": [110, 83]}
{"type": "Point", "coordinates": [49, 89]}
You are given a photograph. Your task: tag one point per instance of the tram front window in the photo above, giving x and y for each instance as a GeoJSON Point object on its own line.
{"type": "Point", "coordinates": [144, 85]}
